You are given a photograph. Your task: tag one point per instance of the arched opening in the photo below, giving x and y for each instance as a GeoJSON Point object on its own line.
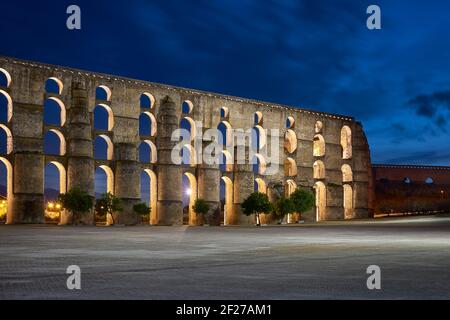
{"type": "Point", "coordinates": [346, 142]}
{"type": "Point", "coordinates": [290, 122]}
{"type": "Point", "coordinates": [6, 180]}
{"type": "Point", "coordinates": [429, 180]}
{"type": "Point", "coordinates": [188, 155]}
{"type": "Point", "coordinates": [226, 161]}
{"type": "Point", "coordinates": [103, 148]}
{"type": "Point", "coordinates": [259, 164]}
{"type": "Point", "coordinates": [147, 100]}
{"type": "Point", "coordinates": [187, 107]}
{"type": "Point", "coordinates": [147, 152]}
{"type": "Point", "coordinates": [225, 133]}
{"type": "Point", "coordinates": [189, 132]}
{"type": "Point", "coordinates": [260, 186]}
{"type": "Point", "coordinates": [103, 183]}
{"type": "Point", "coordinates": [318, 146]}
{"type": "Point", "coordinates": [321, 200]}
{"type": "Point", "coordinates": [54, 185]}
{"type": "Point", "coordinates": [103, 117]}
{"type": "Point", "coordinates": [289, 188]}
{"type": "Point", "coordinates": [348, 202]}
{"type": "Point", "coordinates": [54, 143]}
{"type": "Point", "coordinates": [224, 112]}
{"type": "Point", "coordinates": [5, 78]}
{"type": "Point", "coordinates": [53, 86]}
{"type": "Point", "coordinates": [6, 106]}
{"type": "Point", "coordinates": [189, 197]}
{"type": "Point", "coordinates": [290, 167]}
{"type": "Point", "coordinates": [6, 141]}
{"type": "Point", "coordinates": [226, 200]}
{"type": "Point", "coordinates": [103, 93]}
{"type": "Point", "coordinates": [290, 141]}
{"type": "Point", "coordinates": [149, 193]}
{"type": "Point", "coordinates": [258, 118]}
{"type": "Point", "coordinates": [407, 180]}
{"type": "Point", "coordinates": [54, 112]}
{"type": "Point", "coordinates": [318, 127]}
{"type": "Point", "coordinates": [347, 174]}
{"type": "Point", "coordinates": [147, 124]}
{"type": "Point", "coordinates": [318, 170]}
{"type": "Point", "coordinates": [258, 138]}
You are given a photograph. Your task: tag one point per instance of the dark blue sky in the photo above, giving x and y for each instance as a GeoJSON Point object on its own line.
{"type": "Point", "coordinates": [313, 54]}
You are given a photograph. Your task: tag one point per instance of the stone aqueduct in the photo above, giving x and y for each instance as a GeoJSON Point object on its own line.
{"type": "Point", "coordinates": [323, 151]}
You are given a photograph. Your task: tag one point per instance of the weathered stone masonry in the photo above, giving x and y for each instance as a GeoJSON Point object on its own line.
{"type": "Point", "coordinates": [325, 151]}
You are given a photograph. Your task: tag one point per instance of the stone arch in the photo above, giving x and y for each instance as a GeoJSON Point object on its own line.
{"type": "Point", "coordinates": [103, 93]}
{"type": "Point", "coordinates": [225, 133]}
{"type": "Point", "coordinates": [348, 202]}
{"type": "Point", "coordinates": [258, 118]}
{"type": "Point", "coordinates": [109, 178]}
{"type": "Point", "coordinates": [318, 146]}
{"type": "Point", "coordinates": [5, 78]}
{"type": "Point", "coordinates": [153, 196]}
{"type": "Point", "coordinates": [7, 105]}
{"type": "Point", "coordinates": [188, 155]}
{"type": "Point", "coordinates": [258, 138]}
{"type": "Point", "coordinates": [109, 148]}
{"type": "Point", "coordinates": [106, 110]}
{"type": "Point", "coordinates": [290, 167]}
{"type": "Point", "coordinates": [188, 124]}
{"type": "Point", "coordinates": [224, 112]}
{"type": "Point", "coordinates": [318, 127]}
{"type": "Point", "coordinates": [187, 107]}
{"type": "Point", "coordinates": [48, 143]}
{"type": "Point", "coordinates": [147, 124]}
{"type": "Point", "coordinates": [54, 85]}
{"type": "Point", "coordinates": [147, 100]}
{"type": "Point", "coordinates": [347, 174]}
{"type": "Point", "coordinates": [346, 142]}
{"type": "Point", "coordinates": [289, 187]}
{"type": "Point", "coordinates": [260, 185]}
{"type": "Point", "coordinates": [319, 170]}
{"type": "Point", "coordinates": [290, 122]}
{"type": "Point", "coordinates": [290, 141]}
{"type": "Point", "coordinates": [8, 140]}
{"type": "Point", "coordinates": [62, 176]}
{"type": "Point", "coordinates": [259, 164]}
{"type": "Point", "coordinates": [228, 216]}
{"type": "Point", "coordinates": [192, 192]}
{"type": "Point", "coordinates": [321, 200]}
{"type": "Point", "coordinates": [147, 152]}
{"type": "Point", "coordinates": [9, 189]}
{"type": "Point", "coordinates": [49, 109]}
{"type": "Point", "coordinates": [226, 161]}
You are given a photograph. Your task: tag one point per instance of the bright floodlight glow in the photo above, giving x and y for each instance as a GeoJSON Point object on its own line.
{"type": "Point", "coordinates": [188, 192]}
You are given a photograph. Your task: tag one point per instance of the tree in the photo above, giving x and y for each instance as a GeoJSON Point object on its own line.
{"type": "Point", "coordinates": [256, 203]}
{"type": "Point", "coordinates": [142, 209]}
{"type": "Point", "coordinates": [303, 200]}
{"type": "Point", "coordinates": [282, 207]}
{"type": "Point", "coordinates": [108, 204]}
{"type": "Point", "coordinates": [77, 201]}
{"type": "Point", "coordinates": [200, 207]}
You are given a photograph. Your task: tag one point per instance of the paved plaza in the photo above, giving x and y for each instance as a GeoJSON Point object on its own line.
{"type": "Point", "coordinates": [321, 261]}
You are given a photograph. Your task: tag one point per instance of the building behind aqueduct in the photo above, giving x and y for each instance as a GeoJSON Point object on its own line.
{"type": "Point", "coordinates": [317, 150]}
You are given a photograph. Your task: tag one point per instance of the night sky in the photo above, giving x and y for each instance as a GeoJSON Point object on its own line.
{"type": "Point", "coordinates": [312, 54]}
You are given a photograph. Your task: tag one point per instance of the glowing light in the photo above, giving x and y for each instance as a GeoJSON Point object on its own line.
{"type": "Point", "coordinates": [189, 192]}
{"type": "Point", "coordinates": [50, 205]}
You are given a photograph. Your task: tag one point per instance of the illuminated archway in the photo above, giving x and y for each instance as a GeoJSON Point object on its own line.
{"type": "Point", "coordinates": [103, 117]}
{"type": "Point", "coordinates": [290, 167]}
{"type": "Point", "coordinates": [54, 112]}
{"type": "Point", "coordinates": [348, 202]}
{"type": "Point", "coordinates": [224, 112]}
{"type": "Point", "coordinates": [346, 142]}
{"type": "Point", "coordinates": [6, 107]}
{"type": "Point", "coordinates": [318, 146]}
{"type": "Point", "coordinates": [188, 155]}
{"type": "Point", "coordinates": [321, 200]}
{"type": "Point", "coordinates": [5, 78]}
{"type": "Point", "coordinates": [225, 161]}
{"type": "Point", "coordinates": [318, 170]}
{"type": "Point", "coordinates": [190, 131]}
{"type": "Point", "coordinates": [258, 138]}
{"type": "Point", "coordinates": [347, 174]}
{"type": "Point", "coordinates": [54, 143]}
{"type": "Point", "coordinates": [289, 188]}
{"type": "Point", "coordinates": [318, 126]}
{"type": "Point", "coordinates": [260, 185]}
{"type": "Point", "coordinates": [290, 122]}
{"type": "Point", "coordinates": [225, 133]}
{"type": "Point", "coordinates": [147, 152]}
{"type": "Point", "coordinates": [187, 107]}
{"type": "Point", "coordinates": [147, 100]}
{"type": "Point", "coordinates": [6, 142]}
{"type": "Point", "coordinates": [103, 148]}
{"type": "Point", "coordinates": [8, 177]}
{"type": "Point", "coordinates": [258, 118]}
{"type": "Point", "coordinates": [290, 141]}
{"type": "Point", "coordinates": [54, 185]}
{"type": "Point", "coordinates": [191, 192]}
{"type": "Point", "coordinates": [147, 124]}
{"type": "Point", "coordinates": [103, 93]}
{"type": "Point", "coordinates": [152, 194]}
{"type": "Point", "coordinates": [259, 164]}
{"type": "Point", "coordinates": [54, 85]}
{"type": "Point", "coordinates": [226, 186]}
